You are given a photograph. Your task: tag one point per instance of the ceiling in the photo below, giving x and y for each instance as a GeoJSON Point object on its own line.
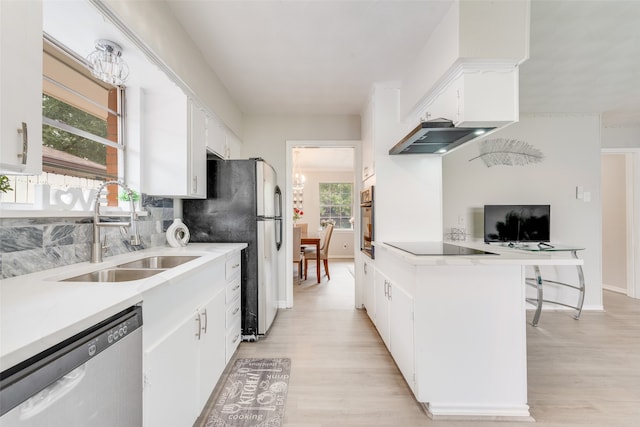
{"type": "Point", "coordinates": [307, 57]}
{"type": "Point", "coordinates": [321, 57]}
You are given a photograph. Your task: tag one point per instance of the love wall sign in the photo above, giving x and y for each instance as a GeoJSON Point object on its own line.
{"type": "Point", "coordinates": [70, 199]}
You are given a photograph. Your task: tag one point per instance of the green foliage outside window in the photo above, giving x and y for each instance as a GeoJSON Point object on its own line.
{"type": "Point", "coordinates": [336, 203]}
{"type": "Point", "coordinates": [68, 142]}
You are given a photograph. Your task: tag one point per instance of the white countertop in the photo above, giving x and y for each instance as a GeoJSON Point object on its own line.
{"type": "Point", "coordinates": [38, 311]}
{"type": "Point", "coordinates": [505, 256]}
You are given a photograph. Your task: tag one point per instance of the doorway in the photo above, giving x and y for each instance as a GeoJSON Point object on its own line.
{"type": "Point", "coordinates": [619, 222]}
{"type": "Point", "coordinates": [324, 163]}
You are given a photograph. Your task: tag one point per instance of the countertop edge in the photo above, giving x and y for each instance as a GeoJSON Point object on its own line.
{"type": "Point", "coordinates": [505, 256]}
{"type": "Point", "coordinates": [37, 311]}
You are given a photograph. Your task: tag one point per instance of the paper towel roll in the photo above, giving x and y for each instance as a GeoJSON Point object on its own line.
{"type": "Point", "coordinates": [177, 234]}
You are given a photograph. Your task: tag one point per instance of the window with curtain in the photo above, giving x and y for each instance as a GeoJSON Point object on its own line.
{"type": "Point", "coordinates": [336, 204]}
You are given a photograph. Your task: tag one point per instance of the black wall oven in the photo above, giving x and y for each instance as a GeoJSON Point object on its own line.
{"type": "Point", "coordinates": [366, 222]}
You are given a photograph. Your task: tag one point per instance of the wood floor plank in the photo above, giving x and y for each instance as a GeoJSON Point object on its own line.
{"type": "Point", "coordinates": [580, 372]}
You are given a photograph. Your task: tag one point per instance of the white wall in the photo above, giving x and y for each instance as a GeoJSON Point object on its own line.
{"type": "Point", "coordinates": [311, 204]}
{"type": "Point", "coordinates": [621, 137]}
{"type": "Point", "coordinates": [571, 145]}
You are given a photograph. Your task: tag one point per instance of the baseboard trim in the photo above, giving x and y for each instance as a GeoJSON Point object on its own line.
{"type": "Point", "coordinates": [477, 412]}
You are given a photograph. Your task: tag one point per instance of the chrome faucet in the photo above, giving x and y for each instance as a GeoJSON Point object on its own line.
{"type": "Point", "coordinates": [97, 247]}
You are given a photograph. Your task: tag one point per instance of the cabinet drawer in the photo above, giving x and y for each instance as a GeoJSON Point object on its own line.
{"type": "Point", "coordinates": [234, 336]}
{"type": "Point", "coordinates": [233, 313]}
{"type": "Point", "coordinates": [233, 290]}
{"type": "Point", "coordinates": [232, 266]}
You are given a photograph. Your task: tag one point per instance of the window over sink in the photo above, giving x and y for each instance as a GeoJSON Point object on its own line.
{"type": "Point", "coordinates": [82, 131]}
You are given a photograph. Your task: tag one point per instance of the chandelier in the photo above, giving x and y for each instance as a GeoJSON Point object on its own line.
{"type": "Point", "coordinates": [298, 178]}
{"type": "Point", "coordinates": [106, 63]}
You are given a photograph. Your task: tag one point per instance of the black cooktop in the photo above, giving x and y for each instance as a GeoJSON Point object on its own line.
{"type": "Point", "coordinates": [436, 248]}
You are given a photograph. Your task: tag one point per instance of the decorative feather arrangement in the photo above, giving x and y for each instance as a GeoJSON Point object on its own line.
{"type": "Point", "coordinates": [509, 152]}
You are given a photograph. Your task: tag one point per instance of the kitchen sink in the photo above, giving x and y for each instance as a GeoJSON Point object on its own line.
{"type": "Point", "coordinates": [167, 261]}
{"type": "Point", "coordinates": [114, 275]}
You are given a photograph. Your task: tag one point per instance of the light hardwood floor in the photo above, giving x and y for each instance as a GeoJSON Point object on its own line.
{"type": "Point", "coordinates": [584, 372]}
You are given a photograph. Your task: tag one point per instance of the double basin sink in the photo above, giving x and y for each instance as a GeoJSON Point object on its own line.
{"type": "Point", "coordinates": [134, 270]}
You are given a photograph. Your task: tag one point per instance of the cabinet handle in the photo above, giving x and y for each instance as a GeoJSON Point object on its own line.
{"type": "Point", "coordinates": [235, 339]}
{"type": "Point", "coordinates": [195, 184]}
{"type": "Point", "coordinates": [199, 328]}
{"type": "Point", "coordinates": [235, 288]}
{"type": "Point", "coordinates": [235, 311]}
{"type": "Point", "coordinates": [235, 266]}
{"type": "Point", "coordinates": [365, 268]}
{"type": "Point", "coordinates": [206, 320]}
{"type": "Point", "coordinates": [390, 295]}
{"type": "Point", "coordinates": [25, 143]}
{"type": "Point", "coordinates": [386, 288]}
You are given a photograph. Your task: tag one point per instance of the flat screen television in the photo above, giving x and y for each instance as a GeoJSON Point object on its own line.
{"type": "Point", "coordinates": [517, 223]}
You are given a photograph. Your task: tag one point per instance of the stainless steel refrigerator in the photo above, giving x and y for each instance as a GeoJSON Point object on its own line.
{"type": "Point", "coordinates": [244, 204]}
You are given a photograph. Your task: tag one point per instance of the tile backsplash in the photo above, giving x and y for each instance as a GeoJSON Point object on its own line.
{"type": "Point", "coordinates": [28, 245]}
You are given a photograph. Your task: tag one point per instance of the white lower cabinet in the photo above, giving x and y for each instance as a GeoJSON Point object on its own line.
{"type": "Point", "coordinates": [394, 321]}
{"type": "Point", "coordinates": [402, 332]}
{"type": "Point", "coordinates": [171, 377]}
{"type": "Point", "coordinates": [182, 369]}
{"type": "Point", "coordinates": [211, 353]}
{"type": "Point", "coordinates": [369, 291]}
{"type": "Point", "coordinates": [383, 320]}
{"type": "Point", "coordinates": [233, 314]}
{"type": "Point", "coordinates": [186, 340]}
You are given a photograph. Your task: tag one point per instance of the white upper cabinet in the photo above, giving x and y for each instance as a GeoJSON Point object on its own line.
{"type": "Point", "coordinates": [474, 98]}
{"type": "Point", "coordinates": [197, 157]}
{"type": "Point", "coordinates": [21, 87]}
{"type": "Point", "coordinates": [205, 127]}
{"type": "Point", "coordinates": [173, 148]}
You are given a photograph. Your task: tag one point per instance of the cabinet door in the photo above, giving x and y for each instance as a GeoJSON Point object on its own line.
{"type": "Point", "coordinates": [401, 331]}
{"type": "Point", "coordinates": [382, 285]}
{"type": "Point", "coordinates": [197, 151]}
{"type": "Point", "coordinates": [164, 149]}
{"type": "Point", "coordinates": [216, 138]}
{"type": "Point", "coordinates": [368, 276]}
{"type": "Point", "coordinates": [171, 376]}
{"type": "Point", "coordinates": [212, 345]}
{"type": "Point", "coordinates": [21, 87]}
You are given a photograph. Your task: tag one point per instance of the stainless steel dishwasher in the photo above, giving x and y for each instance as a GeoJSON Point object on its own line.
{"type": "Point", "coordinates": [91, 379]}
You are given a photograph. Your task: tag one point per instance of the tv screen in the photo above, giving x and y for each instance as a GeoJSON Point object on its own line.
{"type": "Point", "coordinates": [517, 223]}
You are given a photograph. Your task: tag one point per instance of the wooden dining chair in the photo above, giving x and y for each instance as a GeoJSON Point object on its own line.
{"type": "Point", "coordinates": [304, 227]}
{"type": "Point", "coordinates": [298, 252]}
{"type": "Point", "coordinates": [310, 253]}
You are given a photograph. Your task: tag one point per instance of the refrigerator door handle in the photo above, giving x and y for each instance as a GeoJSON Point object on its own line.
{"type": "Point", "coordinates": [278, 233]}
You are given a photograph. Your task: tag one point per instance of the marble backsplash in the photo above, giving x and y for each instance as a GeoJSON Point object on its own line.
{"type": "Point", "coordinates": [28, 245]}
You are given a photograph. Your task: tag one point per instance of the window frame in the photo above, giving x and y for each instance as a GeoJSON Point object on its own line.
{"type": "Point", "coordinates": [350, 205]}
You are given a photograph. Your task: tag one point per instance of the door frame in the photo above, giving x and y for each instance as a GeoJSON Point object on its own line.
{"type": "Point", "coordinates": [288, 201]}
{"type": "Point", "coordinates": [632, 178]}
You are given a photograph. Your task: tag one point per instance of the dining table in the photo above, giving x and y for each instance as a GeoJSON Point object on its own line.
{"type": "Point", "coordinates": [312, 241]}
